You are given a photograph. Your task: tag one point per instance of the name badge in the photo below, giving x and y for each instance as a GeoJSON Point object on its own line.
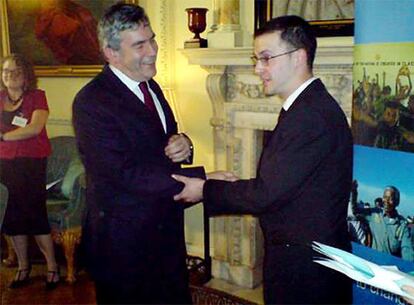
{"type": "Point", "coordinates": [19, 121]}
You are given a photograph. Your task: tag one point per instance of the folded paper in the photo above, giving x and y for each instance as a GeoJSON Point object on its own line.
{"type": "Point", "coordinates": [388, 278]}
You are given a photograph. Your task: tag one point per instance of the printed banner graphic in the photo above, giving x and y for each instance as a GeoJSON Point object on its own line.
{"type": "Point", "coordinates": [383, 98]}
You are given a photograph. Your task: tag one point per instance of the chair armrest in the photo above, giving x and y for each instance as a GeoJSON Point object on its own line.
{"type": "Point", "coordinates": [72, 216]}
{"type": "Point", "coordinates": [4, 195]}
{"type": "Point", "coordinates": [77, 202]}
{"type": "Point", "coordinates": [82, 181]}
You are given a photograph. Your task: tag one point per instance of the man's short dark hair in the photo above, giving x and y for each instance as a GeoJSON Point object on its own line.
{"type": "Point", "coordinates": [118, 18]}
{"type": "Point", "coordinates": [295, 31]}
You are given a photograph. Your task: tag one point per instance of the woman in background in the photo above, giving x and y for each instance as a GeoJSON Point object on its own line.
{"type": "Point", "coordinates": [24, 147]}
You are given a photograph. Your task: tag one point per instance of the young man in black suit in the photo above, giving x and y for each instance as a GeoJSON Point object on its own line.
{"type": "Point", "coordinates": [301, 190]}
{"type": "Point", "coordinates": [133, 235]}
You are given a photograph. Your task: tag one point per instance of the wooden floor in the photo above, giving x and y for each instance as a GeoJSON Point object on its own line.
{"type": "Point", "coordinates": [82, 292]}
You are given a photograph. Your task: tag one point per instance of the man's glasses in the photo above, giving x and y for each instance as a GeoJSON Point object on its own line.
{"type": "Point", "coordinates": [16, 72]}
{"type": "Point", "coordinates": [265, 60]}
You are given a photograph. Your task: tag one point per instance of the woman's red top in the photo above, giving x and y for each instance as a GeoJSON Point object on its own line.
{"type": "Point", "coordinates": [35, 147]}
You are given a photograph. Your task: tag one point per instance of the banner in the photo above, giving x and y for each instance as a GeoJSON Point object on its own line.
{"type": "Point", "coordinates": [383, 96]}
{"type": "Point", "coordinates": [364, 294]}
{"type": "Point", "coordinates": [382, 200]}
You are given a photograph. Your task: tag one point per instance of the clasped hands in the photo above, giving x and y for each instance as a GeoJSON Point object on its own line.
{"type": "Point", "coordinates": [193, 187]}
{"type": "Point", "coordinates": [178, 148]}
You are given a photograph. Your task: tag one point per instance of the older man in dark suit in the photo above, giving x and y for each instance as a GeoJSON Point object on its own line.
{"type": "Point", "coordinates": [127, 137]}
{"type": "Point", "coordinates": [303, 181]}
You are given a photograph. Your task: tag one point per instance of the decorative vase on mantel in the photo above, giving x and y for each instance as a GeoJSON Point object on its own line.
{"type": "Point", "coordinates": [196, 24]}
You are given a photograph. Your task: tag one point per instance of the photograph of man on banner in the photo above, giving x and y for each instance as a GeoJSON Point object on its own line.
{"type": "Point", "coordinates": [381, 215]}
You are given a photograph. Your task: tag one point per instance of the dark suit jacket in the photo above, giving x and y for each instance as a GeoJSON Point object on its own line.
{"type": "Point", "coordinates": [300, 194]}
{"type": "Point", "coordinates": [133, 233]}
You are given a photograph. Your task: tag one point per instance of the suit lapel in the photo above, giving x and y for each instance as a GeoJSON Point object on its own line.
{"type": "Point", "coordinates": [169, 116]}
{"type": "Point", "coordinates": [123, 95]}
{"type": "Point", "coordinates": [307, 95]}
{"type": "Point", "coordinates": [128, 100]}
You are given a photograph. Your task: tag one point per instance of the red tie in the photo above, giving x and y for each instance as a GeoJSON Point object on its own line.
{"type": "Point", "coordinates": [148, 101]}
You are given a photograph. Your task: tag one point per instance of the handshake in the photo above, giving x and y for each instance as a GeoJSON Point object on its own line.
{"type": "Point", "coordinates": [193, 187]}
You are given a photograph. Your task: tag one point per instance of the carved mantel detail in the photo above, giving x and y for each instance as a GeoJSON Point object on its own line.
{"type": "Point", "coordinates": [241, 112]}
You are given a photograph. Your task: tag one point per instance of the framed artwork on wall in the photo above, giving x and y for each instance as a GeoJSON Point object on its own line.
{"type": "Point", "coordinates": [328, 17]}
{"type": "Point", "coordinates": [58, 36]}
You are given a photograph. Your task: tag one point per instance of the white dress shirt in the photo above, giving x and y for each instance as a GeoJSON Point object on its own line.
{"type": "Point", "coordinates": [133, 86]}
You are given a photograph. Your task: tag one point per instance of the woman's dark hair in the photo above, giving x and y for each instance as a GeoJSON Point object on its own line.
{"type": "Point", "coordinates": [30, 80]}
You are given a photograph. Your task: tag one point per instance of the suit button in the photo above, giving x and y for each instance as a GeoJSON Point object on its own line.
{"type": "Point", "coordinates": [160, 227]}
{"type": "Point", "coordinates": [101, 214]}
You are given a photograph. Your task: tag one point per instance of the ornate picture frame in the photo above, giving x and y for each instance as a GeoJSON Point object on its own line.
{"type": "Point", "coordinates": [58, 36]}
{"type": "Point", "coordinates": [324, 25]}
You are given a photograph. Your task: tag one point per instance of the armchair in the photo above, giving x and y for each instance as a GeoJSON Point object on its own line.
{"type": "Point", "coordinates": [11, 259]}
{"type": "Point", "coordinates": [66, 197]}
{"type": "Point", "coordinates": [65, 200]}
{"type": "Point", "coordinates": [4, 196]}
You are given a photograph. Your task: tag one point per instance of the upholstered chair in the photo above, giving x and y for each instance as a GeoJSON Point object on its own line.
{"type": "Point", "coordinates": [66, 197]}
{"type": "Point", "coordinates": [4, 195]}
{"type": "Point", "coordinates": [65, 200]}
{"type": "Point", "coordinates": [11, 259]}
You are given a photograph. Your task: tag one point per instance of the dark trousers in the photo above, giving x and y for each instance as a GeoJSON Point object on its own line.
{"type": "Point", "coordinates": [110, 293]}
{"type": "Point", "coordinates": [291, 277]}
{"type": "Point", "coordinates": [113, 293]}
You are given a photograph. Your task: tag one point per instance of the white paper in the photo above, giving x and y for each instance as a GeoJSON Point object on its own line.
{"type": "Point", "coordinates": [388, 278]}
{"type": "Point", "coordinates": [49, 185]}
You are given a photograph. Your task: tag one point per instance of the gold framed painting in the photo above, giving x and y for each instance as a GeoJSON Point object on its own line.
{"type": "Point", "coordinates": [327, 17]}
{"type": "Point", "coordinates": [58, 36]}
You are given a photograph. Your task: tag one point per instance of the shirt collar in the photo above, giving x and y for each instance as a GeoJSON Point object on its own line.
{"type": "Point", "coordinates": [129, 82]}
{"type": "Point", "coordinates": [290, 100]}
